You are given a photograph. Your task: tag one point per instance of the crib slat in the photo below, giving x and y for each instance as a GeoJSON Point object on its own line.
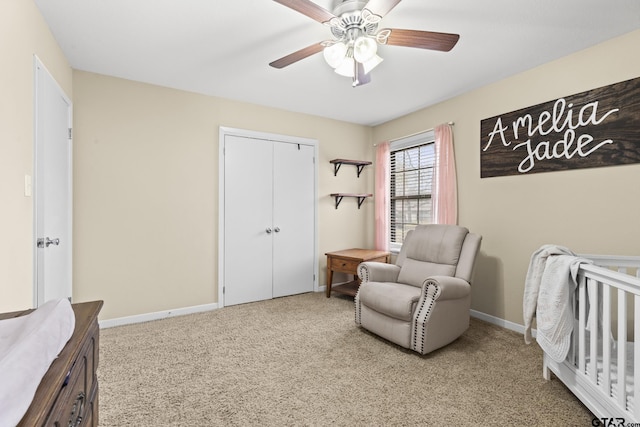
{"type": "Point", "coordinates": [622, 347]}
{"type": "Point", "coordinates": [636, 356]}
{"type": "Point", "coordinates": [606, 338]}
{"type": "Point", "coordinates": [573, 355]}
{"type": "Point", "coordinates": [582, 308]}
{"type": "Point", "coordinates": [594, 306]}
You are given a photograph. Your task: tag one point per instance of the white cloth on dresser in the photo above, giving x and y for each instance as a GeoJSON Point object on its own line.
{"type": "Point", "coordinates": [28, 346]}
{"type": "Point", "coordinates": [550, 283]}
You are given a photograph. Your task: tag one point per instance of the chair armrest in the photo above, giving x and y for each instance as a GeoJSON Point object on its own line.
{"type": "Point", "coordinates": [378, 272]}
{"type": "Point", "coordinates": [448, 287]}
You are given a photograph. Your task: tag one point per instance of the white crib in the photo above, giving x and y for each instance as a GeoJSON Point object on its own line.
{"type": "Point", "coordinates": [603, 368]}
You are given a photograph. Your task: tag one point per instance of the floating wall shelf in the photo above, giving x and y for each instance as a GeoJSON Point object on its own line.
{"type": "Point", "coordinates": [360, 197]}
{"type": "Point", "coordinates": [359, 164]}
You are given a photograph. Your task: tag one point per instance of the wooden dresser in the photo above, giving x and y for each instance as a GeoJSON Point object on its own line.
{"type": "Point", "coordinates": [68, 392]}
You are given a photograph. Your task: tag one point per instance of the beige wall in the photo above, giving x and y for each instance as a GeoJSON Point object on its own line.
{"type": "Point", "coordinates": [23, 34]}
{"type": "Point", "coordinates": [589, 210]}
{"type": "Point", "coordinates": [146, 190]}
{"type": "Point", "coordinates": [146, 178]}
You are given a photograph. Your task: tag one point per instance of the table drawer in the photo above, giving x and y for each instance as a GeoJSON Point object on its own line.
{"type": "Point", "coordinates": [344, 265]}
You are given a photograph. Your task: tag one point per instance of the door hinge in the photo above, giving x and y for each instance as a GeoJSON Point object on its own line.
{"type": "Point", "coordinates": [70, 133]}
{"type": "Point", "coordinates": [223, 290]}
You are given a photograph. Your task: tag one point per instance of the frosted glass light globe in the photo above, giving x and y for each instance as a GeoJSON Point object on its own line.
{"type": "Point", "coordinates": [335, 54]}
{"type": "Point", "coordinates": [371, 64]}
{"type": "Point", "coordinates": [364, 48]}
{"type": "Point", "coordinates": [346, 68]}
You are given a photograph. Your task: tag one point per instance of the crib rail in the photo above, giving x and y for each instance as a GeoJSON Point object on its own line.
{"type": "Point", "coordinates": [621, 263]}
{"type": "Point", "coordinates": [601, 349]}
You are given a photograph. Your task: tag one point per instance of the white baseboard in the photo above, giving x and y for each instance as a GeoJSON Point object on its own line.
{"type": "Point", "coordinates": [500, 322]}
{"type": "Point", "coordinates": [147, 317]}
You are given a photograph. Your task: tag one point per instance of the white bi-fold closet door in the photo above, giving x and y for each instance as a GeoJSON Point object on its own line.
{"type": "Point", "coordinates": [269, 203]}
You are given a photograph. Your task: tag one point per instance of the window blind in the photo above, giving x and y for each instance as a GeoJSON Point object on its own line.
{"type": "Point", "coordinates": [411, 173]}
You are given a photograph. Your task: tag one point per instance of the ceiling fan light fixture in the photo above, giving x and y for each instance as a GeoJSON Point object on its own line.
{"type": "Point", "coordinates": [364, 48]}
{"type": "Point", "coordinates": [352, 52]}
{"type": "Point", "coordinates": [346, 68]}
{"type": "Point", "coordinates": [372, 63]}
{"type": "Point", "coordinates": [335, 54]}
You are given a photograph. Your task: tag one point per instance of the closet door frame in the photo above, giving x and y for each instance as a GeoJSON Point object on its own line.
{"type": "Point", "coordinates": [223, 132]}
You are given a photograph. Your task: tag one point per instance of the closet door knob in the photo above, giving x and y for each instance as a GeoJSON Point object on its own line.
{"type": "Point", "coordinates": [268, 230]}
{"type": "Point", "coordinates": [277, 229]}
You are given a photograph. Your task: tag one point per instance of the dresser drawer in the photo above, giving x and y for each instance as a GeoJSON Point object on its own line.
{"type": "Point", "coordinates": [70, 387]}
{"type": "Point", "coordinates": [74, 405]}
{"type": "Point", "coordinates": [71, 403]}
{"type": "Point", "coordinates": [344, 265]}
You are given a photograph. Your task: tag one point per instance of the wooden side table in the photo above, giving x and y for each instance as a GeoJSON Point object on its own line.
{"type": "Point", "coordinates": [347, 261]}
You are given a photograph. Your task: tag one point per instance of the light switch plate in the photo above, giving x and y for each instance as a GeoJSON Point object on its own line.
{"type": "Point", "coordinates": [27, 186]}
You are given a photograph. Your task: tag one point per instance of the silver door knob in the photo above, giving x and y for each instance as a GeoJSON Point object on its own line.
{"type": "Point", "coordinates": [268, 230]}
{"type": "Point", "coordinates": [46, 242]}
{"type": "Point", "coordinates": [277, 229]}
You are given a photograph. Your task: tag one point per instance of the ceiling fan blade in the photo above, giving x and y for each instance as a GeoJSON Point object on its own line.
{"type": "Point", "coordinates": [381, 7]}
{"type": "Point", "coordinates": [297, 55]}
{"type": "Point", "coordinates": [309, 9]}
{"type": "Point", "coordinates": [423, 39]}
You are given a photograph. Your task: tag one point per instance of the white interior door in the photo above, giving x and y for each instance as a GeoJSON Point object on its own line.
{"type": "Point", "coordinates": [293, 219]}
{"type": "Point", "coordinates": [248, 200]}
{"type": "Point", "coordinates": [268, 216]}
{"type": "Point", "coordinates": [52, 189]}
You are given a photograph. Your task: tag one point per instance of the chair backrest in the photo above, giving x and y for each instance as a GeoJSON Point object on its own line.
{"type": "Point", "coordinates": [437, 250]}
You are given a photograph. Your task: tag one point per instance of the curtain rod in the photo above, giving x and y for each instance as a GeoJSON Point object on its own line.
{"type": "Point", "coordinates": [417, 133]}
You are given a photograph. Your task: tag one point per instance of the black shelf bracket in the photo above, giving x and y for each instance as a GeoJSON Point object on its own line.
{"type": "Point", "coordinates": [340, 196]}
{"type": "Point", "coordinates": [339, 199]}
{"type": "Point", "coordinates": [359, 164]}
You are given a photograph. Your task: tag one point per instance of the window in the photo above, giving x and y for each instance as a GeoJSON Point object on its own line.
{"type": "Point", "coordinates": [411, 172]}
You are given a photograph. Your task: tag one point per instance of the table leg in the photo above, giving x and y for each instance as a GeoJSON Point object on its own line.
{"type": "Point", "coordinates": [329, 279]}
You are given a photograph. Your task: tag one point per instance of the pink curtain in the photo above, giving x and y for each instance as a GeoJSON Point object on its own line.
{"type": "Point", "coordinates": [382, 197]}
{"type": "Point", "coordinates": [444, 192]}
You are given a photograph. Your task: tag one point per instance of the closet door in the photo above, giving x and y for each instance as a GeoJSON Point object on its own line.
{"type": "Point", "coordinates": [248, 220]}
{"type": "Point", "coordinates": [293, 218]}
{"type": "Point", "coordinates": [269, 219]}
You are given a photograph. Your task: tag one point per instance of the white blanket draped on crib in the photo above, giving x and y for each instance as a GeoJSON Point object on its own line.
{"type": "Point", "coordinates": [549, 286]}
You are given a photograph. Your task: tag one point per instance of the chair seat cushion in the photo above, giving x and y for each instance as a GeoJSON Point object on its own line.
{"type": "Point", "coordinates": [392, 299]}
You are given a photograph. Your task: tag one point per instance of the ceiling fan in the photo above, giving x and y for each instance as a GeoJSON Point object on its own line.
{"type": "Point", "coordinates": [354, 25]}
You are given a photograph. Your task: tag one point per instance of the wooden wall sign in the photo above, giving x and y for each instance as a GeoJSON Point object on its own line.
{"type": "Point", "coordinates": [599, 127]}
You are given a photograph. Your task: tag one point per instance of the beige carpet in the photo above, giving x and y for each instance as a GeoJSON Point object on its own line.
{"type": "Point", "coordinates": [301, 360]}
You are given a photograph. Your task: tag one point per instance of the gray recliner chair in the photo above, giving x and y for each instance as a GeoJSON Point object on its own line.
{"type": "Point", "coordinates": [422, 301]}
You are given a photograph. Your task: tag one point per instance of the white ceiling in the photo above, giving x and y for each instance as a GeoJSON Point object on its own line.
{"type": "Point", "coordinates": [223, 48]}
